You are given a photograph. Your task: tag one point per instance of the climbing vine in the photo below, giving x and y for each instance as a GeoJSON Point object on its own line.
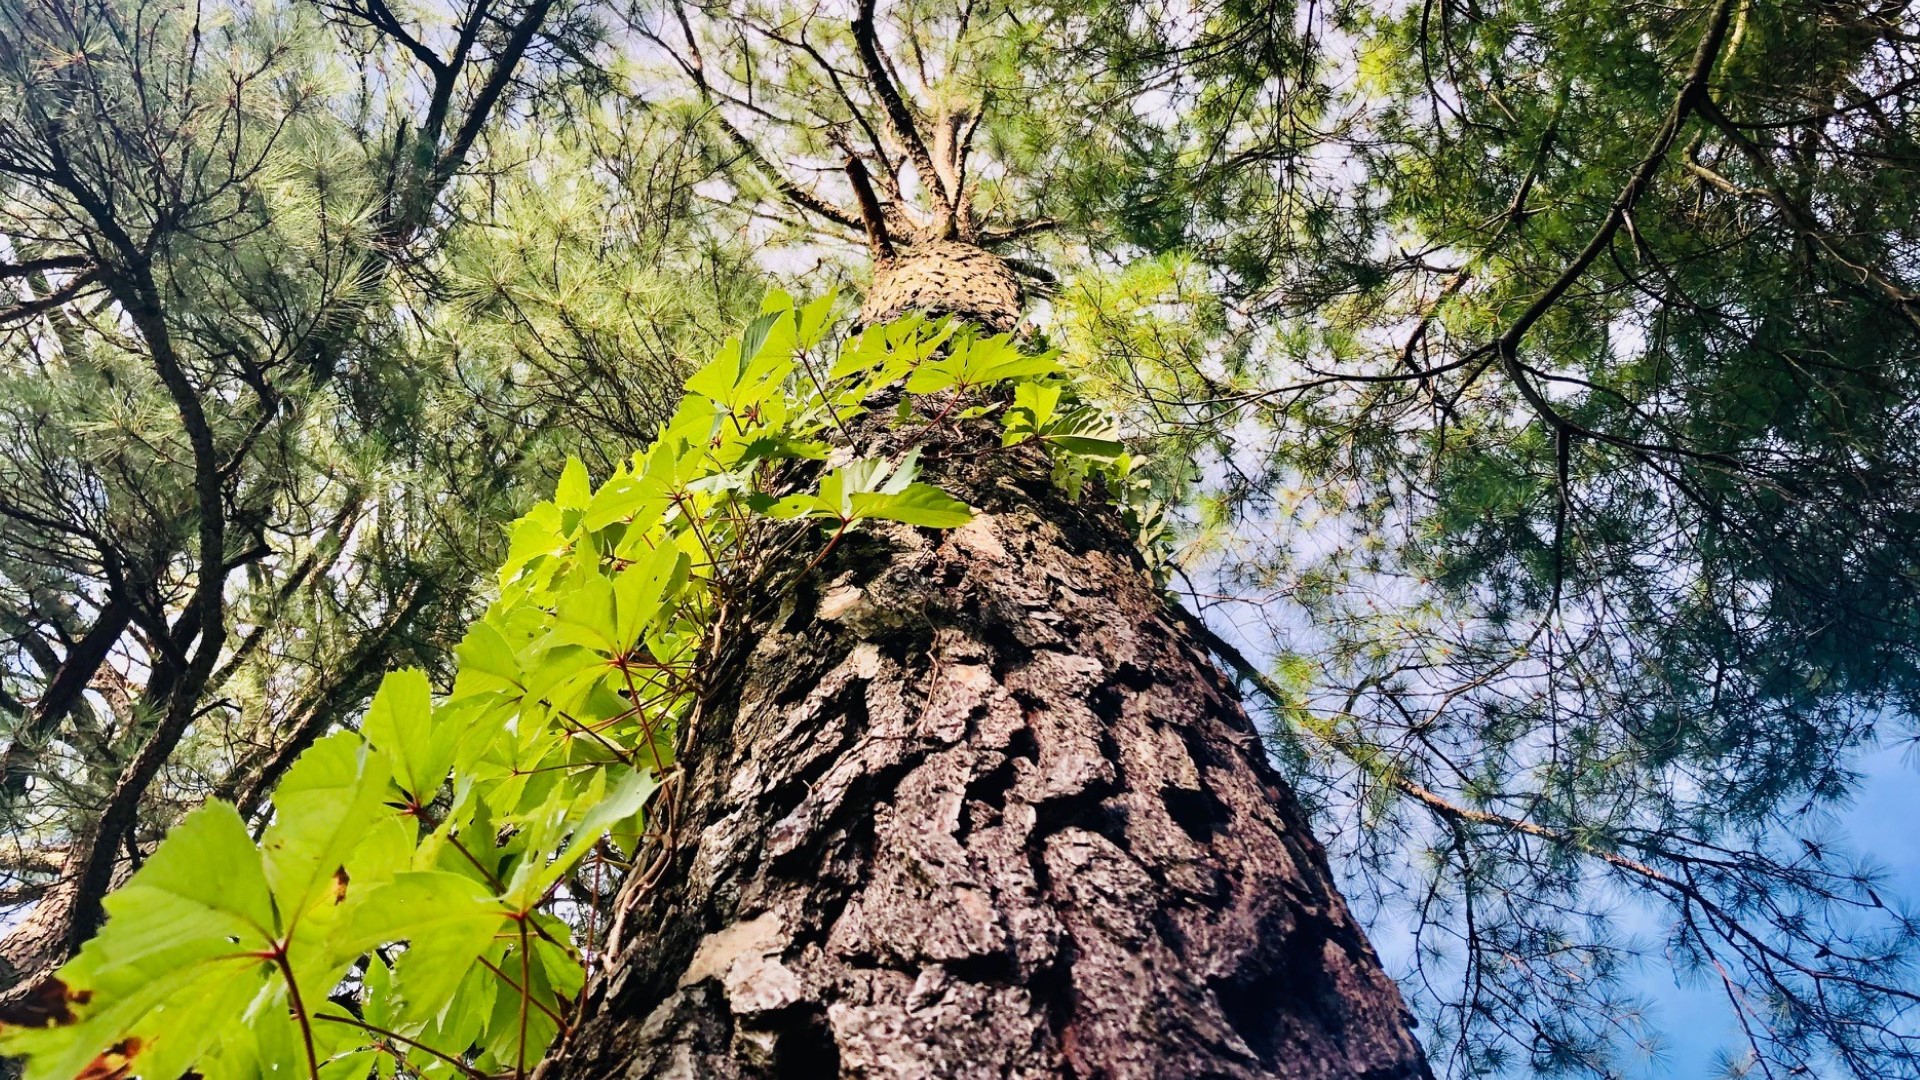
{"type": "Point", "coordinates": [430, 892]}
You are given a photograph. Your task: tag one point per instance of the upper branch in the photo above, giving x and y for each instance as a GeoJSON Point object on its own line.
{"type": "Point", "coordinates": [504, 67]}
{"type": "Point", "coordinates": [1693, 93]}
{"type": "Point", "coordinates": [29, 267]}
{"type": "Point", "coordinates": [695, 66]}
{"type": "Point", "coordinates": [899, 116]}
{"type": "Point", "coordinates": [871, 216]}
{"type": "Point", "coordinates": [29, 309]}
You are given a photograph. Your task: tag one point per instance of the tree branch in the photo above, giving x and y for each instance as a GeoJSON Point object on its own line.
{"type": "Point", "coordinates": [871, 216]}
{"type": "Point", "coordinates": [504, 67]}
{"type": "Point", "coordinates": [991, 237]}
{"type": "Point", "coordinates": [696, 68]}
{"type": "Point", "coordinates": [1802, 219]}
{"type": "Point", "coordinates": [29, 267]}
{"type": "Point", "coordinates": [40, 305]}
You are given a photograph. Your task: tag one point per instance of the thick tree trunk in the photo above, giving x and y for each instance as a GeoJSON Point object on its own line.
{"type": "Point", "coordinates": [975, 804]}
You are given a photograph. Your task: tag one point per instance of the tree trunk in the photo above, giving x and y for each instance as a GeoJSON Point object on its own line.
{"type": "Point", "coordinates": [975, 804]}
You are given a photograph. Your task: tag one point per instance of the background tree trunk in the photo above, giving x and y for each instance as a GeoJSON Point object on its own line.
{"type": "Point", "coordinates": [975, 803]}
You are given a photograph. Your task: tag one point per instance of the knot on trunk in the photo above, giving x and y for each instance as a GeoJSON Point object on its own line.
{"type": "Point", "coordinates": [944, 277]}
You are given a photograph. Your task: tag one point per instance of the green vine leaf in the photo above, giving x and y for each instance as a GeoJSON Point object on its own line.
{"type": "Point", "coordinates": [182, 955]}
{"type": "Point", "coordinates": [400, 722]}
{"type": "Point", "coordinates": [557, 841]}
{"type": "Point", "coordinates": [919, 504]}
{"type": "Point", "coordinates": [575, 488]}
{"type": "Point", "coordinates": [870, 488]}
{"type": "Point", "coordinates": [487, 664]}
{"type": "Point", "coordinates": [324, 809]}
{"type": "Point", "coordinates": [1085, 433]}
{"type": "Point", "coordinates": [447, 921]}
{"type": "Point", "coordinates": [753, 369]}
{"type": "Point", "coordinates": [975, 362]}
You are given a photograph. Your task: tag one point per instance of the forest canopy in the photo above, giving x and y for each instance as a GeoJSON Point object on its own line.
{"type": "Point", "coordinates": [1520, 395]}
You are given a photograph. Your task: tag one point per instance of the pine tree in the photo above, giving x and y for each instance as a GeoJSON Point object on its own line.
{"type": "Point", "coordinates": [1519, 392]}
{"type": "Point", "coordinates": [980, 805]}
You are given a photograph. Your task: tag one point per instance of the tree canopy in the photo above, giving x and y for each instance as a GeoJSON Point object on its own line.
{"type": "Point", "coordinates": [1523, 392]}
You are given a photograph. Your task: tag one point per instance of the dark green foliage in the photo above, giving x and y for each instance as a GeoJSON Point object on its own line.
{"type": "Point", "coordinates": [1585, 505]}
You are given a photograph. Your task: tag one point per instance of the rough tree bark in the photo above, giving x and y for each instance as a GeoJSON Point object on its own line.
{"type": "Point", "coordinates": [976, 804]}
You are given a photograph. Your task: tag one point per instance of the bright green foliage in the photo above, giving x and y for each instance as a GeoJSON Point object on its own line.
{"type": "Point", "coordinates": [421, 867]}
{"type": "Point", "coordinates": [873, 488]}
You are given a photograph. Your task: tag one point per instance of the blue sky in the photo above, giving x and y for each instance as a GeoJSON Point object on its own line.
{"type": "Point", "coordinates": [1882, 823]}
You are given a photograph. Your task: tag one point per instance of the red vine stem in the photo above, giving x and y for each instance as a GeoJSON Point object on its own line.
{"type": "Point", "coordinates": [299, 1009]}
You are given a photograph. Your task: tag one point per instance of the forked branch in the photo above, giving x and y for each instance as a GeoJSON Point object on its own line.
{"type": "Point", "coordinates": [899, 116]}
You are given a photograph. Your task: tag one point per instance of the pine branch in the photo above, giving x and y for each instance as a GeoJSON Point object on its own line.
{"type": "Point", "coordinates": [695, 67]}
{"type": "Point", "coordinates": [504, 67]}
{"type": "Point", "coordinates": [380, 17]}
{"type": "Point", "coordinates": [990, 237]}
{"type": "Point", "coordinates": [1801, 218]}
{"type": "Point", "coordinates": [28, 309]}
{"type": "Point", "coordinates": [1692, 95]}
